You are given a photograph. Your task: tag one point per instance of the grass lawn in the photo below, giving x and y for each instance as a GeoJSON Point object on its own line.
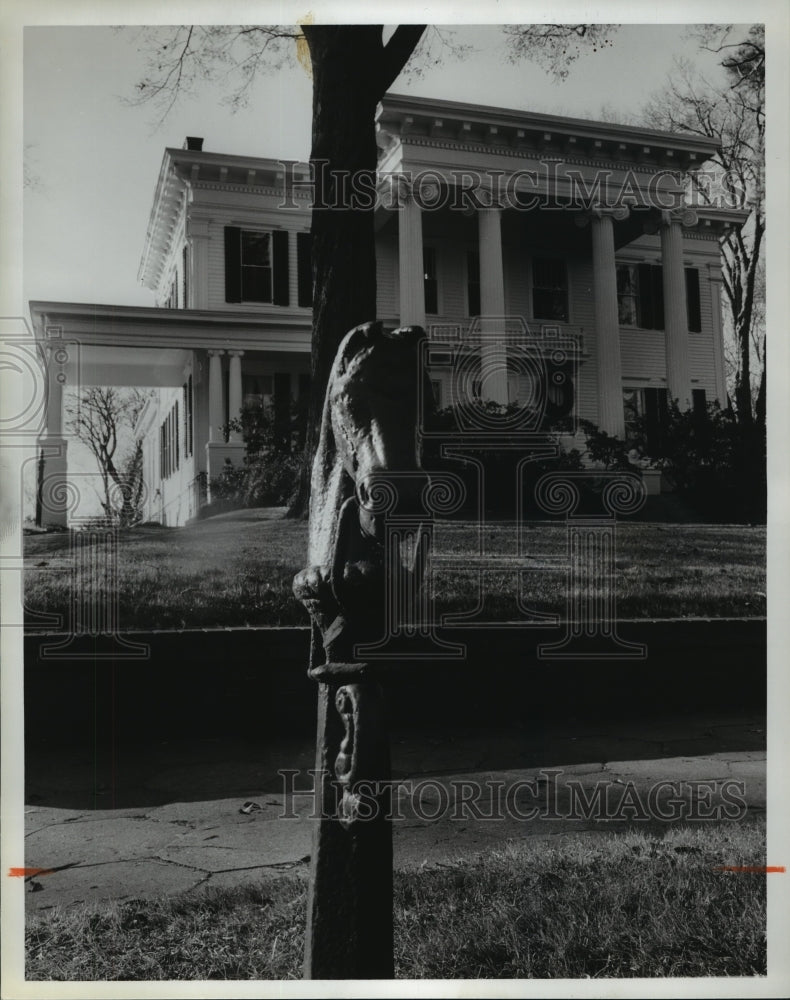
{"type": "Point", "coordinates": [628, 905]}
{"type": "Point", "coordinates": [236, 570]}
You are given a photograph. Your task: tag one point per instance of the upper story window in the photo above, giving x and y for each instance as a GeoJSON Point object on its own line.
{"type": "Point", "coordinates": [430, 280]}
{"type": "Point", "coordinates": [256, 266]}
{"type": "Point", "coordinates": [640, 297]}
{"type": "Point", "coordinates": [549, 289]}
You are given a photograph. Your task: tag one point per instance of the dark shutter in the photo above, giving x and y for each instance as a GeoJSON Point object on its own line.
{"type": "Point", "coordinates": [650, 307]}
{"type": "Point", "coordinates": [304, 268]}
{"type": "Point", "coordinates": [692, 300]}
{"type": "Point", "coordinates": [699, 403]}
{"type": "Point", "coordinates": [658, 297]}
{"type": "Point", "coordinates": [232, 264]}
{"type": "Point", "coordinates": [644, 316]}
{"type": "Point", "coordinates": [473, 282]}
{"type": "Point", "coordinates": [281, 293]}
{"type": "Point", "coordinates": [185, 277]}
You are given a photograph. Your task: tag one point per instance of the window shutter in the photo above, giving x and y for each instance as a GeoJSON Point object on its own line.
{"type": "Point", "coordinates": [280, 292]}
{"type": "Point", "coordinates": [658, 297]}
{"type": "Point", "coordinates": [473, 282]}
{"type": "Point", "coordinates": [692, 300]}
{"type": "Point", "coordinates": [699, 403]}
{"type": "Point", "coordinates": [232, 264]}
{"type": "Point", "coordinates": [304, 268]}
{"type": "Point", "coordinates": [645, 310]}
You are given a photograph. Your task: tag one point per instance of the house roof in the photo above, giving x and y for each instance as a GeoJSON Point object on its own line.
{"type": "Point", "coordinates": [407, 116]}
{"type": "Point", "coordinates": [427, 121]}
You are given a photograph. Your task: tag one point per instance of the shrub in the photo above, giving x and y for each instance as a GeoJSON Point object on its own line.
{"type": "Point", "coordinates": [273, 462]}
{"type": "Point", "coordinates": [271, 479]}
{"type": "Point", "coordinates": [499, 464]}
{"type": "Point", "coordinates": [716, 465]}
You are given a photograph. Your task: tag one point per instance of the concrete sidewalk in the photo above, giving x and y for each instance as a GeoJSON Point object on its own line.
{"type": "Point", "coordinates": [180, 817]}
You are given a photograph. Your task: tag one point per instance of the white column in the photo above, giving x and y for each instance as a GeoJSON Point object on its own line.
{"type": "Point", "coordinates": [234, 393]}
{"type": "Point", "coordinates": [410, 263]}
{"type": "Point", "coordinates": [55, 493]}
{"type": "Point", "coordinates": [607, 326]}
{"type": "Point", "coordinates": [492, 306]}
{"type": "Point", "coordinates": [675, 320]}
{"type": "Point", "coordinates": [718, 336]}
{"type": "Point", "coordinates": [215, 410]}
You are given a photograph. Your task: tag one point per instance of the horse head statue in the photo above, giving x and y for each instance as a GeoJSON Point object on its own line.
{"type": "Point", "coordinates": [368, 429]}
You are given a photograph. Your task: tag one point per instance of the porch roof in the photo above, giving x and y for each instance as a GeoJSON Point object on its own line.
{"type": "Point", "coordinates": [188, 329]}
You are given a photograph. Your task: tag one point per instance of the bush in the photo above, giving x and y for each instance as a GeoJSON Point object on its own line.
{"type": "Point", "coordinates": [271, 480]}
{"type": "Point", "coordinates": [715, 465]}
{"type": "Point", "coordinates": [266, 480]}
{"type": "Point", "coordinates": [499, 465]}
{"type": "Point", "coordinates": [273, 463]}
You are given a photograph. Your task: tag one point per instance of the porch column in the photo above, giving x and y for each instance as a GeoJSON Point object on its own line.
{"type": "Point", "coordinates": [607, 325]}
{"type": "Point", "coordinates": [55, 494]}
{"type": "Point", "coordinates": [715, 278]}
{"type": "Point", "coordinates": [410, 263]}
{"type": "Point", "coordinates": [215, 411]}
{"type": "Point", "coordinates": [675, 319]}
{"type": "Point", "coordinates": [493, 357]}
{"type": "Point", "coordinates": [234, 393]}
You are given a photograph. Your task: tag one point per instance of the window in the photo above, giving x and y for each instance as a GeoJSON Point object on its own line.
{"type": "Point", "coordinates": [257, 389]}
{"type": "Point", "coordinates": [430, 281]}
{"type": "Point", "coordinates": [549, 289]}
{"type": "Point", "coordinates": [169, 435]}
{"type": "Point", "coordinates": [472, 283]}
{"type": "Point", "coordinates": [436, 389]}
{"type": "Point", "coordinates": [640, 296]}
{"type": "Point", "coordinates": [645, 407]}
{"type": "Point", "coordinates": [256, 266]}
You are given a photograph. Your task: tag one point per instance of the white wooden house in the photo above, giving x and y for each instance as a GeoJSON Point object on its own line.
{"type": "Point", "coordinates": [532, 222]}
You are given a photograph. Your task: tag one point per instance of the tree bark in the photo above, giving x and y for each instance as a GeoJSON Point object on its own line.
{"type": "Point", "coordinates": [352, 69]}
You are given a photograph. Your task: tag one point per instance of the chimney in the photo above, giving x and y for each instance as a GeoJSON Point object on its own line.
{"type": "Point", "coordinates": [193, 142]}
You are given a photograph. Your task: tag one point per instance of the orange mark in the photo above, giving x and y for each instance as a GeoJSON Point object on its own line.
{"type": "Point", "coordinates": [767, 869]}
{"type": "Point", "coordinates": [302, 48]}
{"type": "Point", "coordinates": [28, 872]}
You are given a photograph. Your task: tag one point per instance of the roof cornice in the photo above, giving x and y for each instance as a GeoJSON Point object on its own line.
{"type": "Point", "coordinates": [396, 107]}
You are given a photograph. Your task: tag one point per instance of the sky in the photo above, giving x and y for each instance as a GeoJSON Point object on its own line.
{"type": "Point", "coordinates": [93, 160]}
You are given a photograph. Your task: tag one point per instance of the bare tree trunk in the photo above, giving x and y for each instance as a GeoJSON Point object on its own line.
{"type": "Point", "coordinates": [352, 69]}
